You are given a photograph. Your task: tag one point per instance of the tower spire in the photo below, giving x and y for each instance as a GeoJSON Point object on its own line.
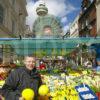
{"type": "Point", "coordinates": [42, 2]}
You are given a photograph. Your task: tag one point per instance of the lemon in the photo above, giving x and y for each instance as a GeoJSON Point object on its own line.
{"type": "Point", "coordinates": [43, 90]}
{"type": "Point", "coordinates": [28, 94]}
{"type": "Point", "coordinates": [2, 82]}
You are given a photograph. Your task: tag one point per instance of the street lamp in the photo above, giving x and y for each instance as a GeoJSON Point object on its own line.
{"type": "Point", "coordinates": [66, 35]}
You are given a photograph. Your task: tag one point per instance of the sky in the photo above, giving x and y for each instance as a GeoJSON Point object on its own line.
{"type": "Point", "coordinates": [66, 10]}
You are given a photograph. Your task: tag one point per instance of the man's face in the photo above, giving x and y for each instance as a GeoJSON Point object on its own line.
{"type": "Point", "coordinates": [29, 62]}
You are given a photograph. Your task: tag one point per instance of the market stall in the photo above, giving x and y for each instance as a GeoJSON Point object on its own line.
{"type": "Point", "coordinates": [62, 84]}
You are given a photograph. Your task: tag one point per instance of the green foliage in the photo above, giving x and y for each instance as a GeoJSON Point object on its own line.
{"type": "Point", "coordinates": [95, 89]}
{"type": "Point", "coordinates": [43, 52]}
{"type": "Point", "coordinates": [80, 67]}
{"type": "Point", "coordinates": [54, 52]}
{"type": "Point", "coordinates": [89, 71]}
{"type": "Point", "coordinates": [56, 71]}
{"type": "Point", "coordinates": [40, 53]}
{"type": "Point", "coordinates": [43, 71]}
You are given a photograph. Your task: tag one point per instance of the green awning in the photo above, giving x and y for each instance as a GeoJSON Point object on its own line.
{"type": "Point", "coordinates": [44, 41]}
{"type": "Point", "coordinates": [30, 46]}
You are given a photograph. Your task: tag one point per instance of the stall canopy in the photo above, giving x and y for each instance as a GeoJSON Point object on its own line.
{"type": "Point", "coordinates": [30, 45]}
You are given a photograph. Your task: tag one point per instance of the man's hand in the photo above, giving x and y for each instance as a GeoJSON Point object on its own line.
{"type": "Point", "coordinates": [1, 97]}
{"type": "Point", "coordinates": [21, 98]}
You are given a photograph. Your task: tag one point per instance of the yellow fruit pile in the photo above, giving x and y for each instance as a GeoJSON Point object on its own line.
{"type": "Point", "coordinates": [43, 90]}
{"type": "Point", "coordinates": [28, 94]}
{"type": "Point", "coordinates": [65, 92]}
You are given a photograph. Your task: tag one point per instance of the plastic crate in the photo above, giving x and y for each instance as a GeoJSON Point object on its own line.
{"type": "Point", "coordinates": [85, 92]}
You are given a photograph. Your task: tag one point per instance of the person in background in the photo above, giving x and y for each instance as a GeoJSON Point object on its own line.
{"type": "Point", "coordinates": [20, 79]}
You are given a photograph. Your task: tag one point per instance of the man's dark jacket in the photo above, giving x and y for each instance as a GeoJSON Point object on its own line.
{"type": "Point", "coordinates": [18, 80]}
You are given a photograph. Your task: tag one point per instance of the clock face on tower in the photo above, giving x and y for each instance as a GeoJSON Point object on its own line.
{"type": "Point", "coordinates": [47, 31]}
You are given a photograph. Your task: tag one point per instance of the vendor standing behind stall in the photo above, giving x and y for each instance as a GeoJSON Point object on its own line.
{"type": "Point", "coordinates": [20, 79]}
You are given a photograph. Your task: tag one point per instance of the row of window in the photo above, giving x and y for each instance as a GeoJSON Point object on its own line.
{"type": "Point", "coordinates": [1, 14]}
{"type": "Point", "coordinates": [2, 18]}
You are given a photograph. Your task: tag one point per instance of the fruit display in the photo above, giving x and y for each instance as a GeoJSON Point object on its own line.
{"type": "Point", "coordinates": [43, 90]}
{"type": "Point", "coordinates": [4, 71]}
{"type": "Point", "coordinates": [64, 92]}
{"type": "Point", "coordinates": [28, 94]}
{"type": "Point", "coordinates": [62, 86]}
{"type": "Point", "coordinates": [1, 83]}
{"type": "Point", "coordinates": [3, 75]}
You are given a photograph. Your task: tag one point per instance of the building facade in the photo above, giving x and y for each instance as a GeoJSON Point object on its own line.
{"type": "Point", "coordinates": [89, 25]}
{"type": "Point", "coordinates": [74, 30]}
{"type": "Point", "coordinates": [12, 24]}
{"type": "Point", "coordinates": [98, 15]}
{"type": "Point", "coordinates": [29, 33]}
{"type": "Point", "coordinates": [12, 18]}
{"type": "Point", "coordinates": [88, 19]}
